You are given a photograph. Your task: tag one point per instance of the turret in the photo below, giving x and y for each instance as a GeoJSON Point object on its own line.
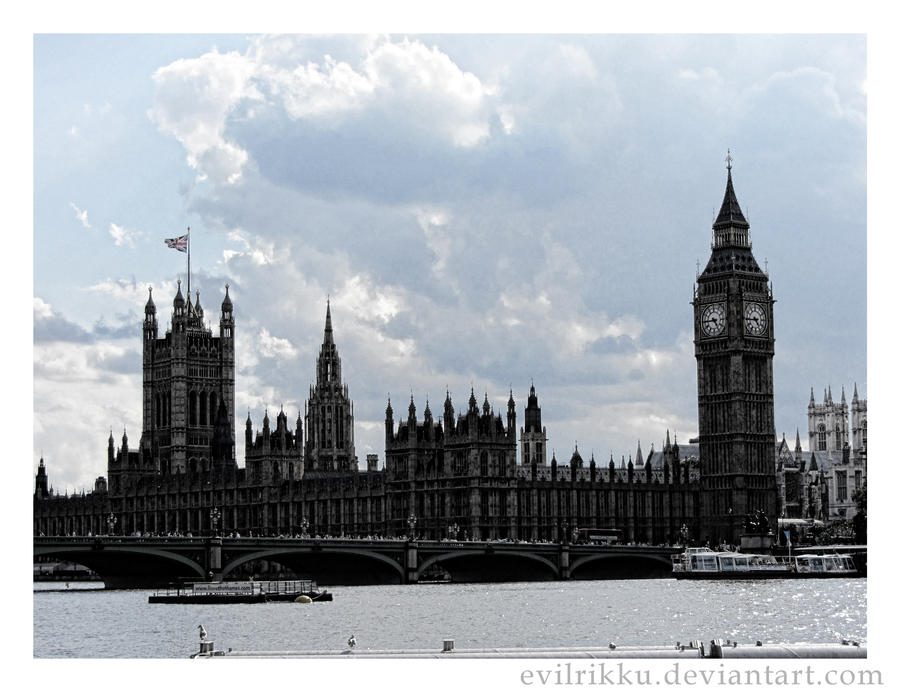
{"type": "Point", "coordinates": [226, 319]}
{"type": "Point", "coordinates": [448, 414]}
{"type": "Point", "coordinates": [40, 482]}
{"type": "Point", "coordinates": [150, 324]}
{"type": "Point", "coordinates": [179, 311]}
{"type": "Point", "coordinates": [389, 422]}
{"type": "Point", "coordinates": [511, 415]}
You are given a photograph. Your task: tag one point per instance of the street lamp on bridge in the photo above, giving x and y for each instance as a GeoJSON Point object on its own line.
{"type": "Point", "coordinates": [452, 531]}
{"type": "Point", "coordinates": [304, 528]}
{"type": "Point", "coordinates": [111, 522]}
{"type": "Point", "coordinates": [412, 526]}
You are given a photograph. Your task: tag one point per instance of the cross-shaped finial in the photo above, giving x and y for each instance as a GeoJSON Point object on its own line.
{"type": "Point", "coordinates": [729, 159]}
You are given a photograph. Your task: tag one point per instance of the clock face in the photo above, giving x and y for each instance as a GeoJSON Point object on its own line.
{"type": "Point", "coordinates": [712, 321]}
{"type": "Point", "coordinates": [755, 319]}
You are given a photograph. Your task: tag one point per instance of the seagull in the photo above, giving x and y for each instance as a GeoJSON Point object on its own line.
{"type": "Point", "coordinates": [611, 646]}
{"type": "Point", "coordinates": [202, 632]}
{"type": "Point", "coordinates": [352, 641]}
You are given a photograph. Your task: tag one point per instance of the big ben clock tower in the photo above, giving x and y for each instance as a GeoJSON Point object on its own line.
{"type": "Point", "coordinates": [734, 343]}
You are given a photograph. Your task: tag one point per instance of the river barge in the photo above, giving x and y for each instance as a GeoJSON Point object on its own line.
{"type": "Point", "coordinates": [296, 590]}
{"type": "Point", "coordinates": [703, 563]}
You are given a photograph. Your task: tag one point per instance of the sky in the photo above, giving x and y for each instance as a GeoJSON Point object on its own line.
{"type": "Point", "coordinates": [484, 211]}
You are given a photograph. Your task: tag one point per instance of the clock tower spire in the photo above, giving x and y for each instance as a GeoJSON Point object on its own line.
{"type": "Point", "coordinates": [734, 344]}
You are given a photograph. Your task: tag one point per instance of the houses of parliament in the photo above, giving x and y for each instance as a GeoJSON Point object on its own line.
{"type": "Point", "coordinates": [462, 471]}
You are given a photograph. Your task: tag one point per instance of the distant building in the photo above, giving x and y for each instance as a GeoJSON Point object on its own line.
{"type": "Point", "coordinates": [802, 490]}
{"type": "Point", "coordinates": [840, 445]}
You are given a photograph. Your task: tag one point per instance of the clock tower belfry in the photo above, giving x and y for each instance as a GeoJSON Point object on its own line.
{"type": "Point", "coordinates": [734, 343]}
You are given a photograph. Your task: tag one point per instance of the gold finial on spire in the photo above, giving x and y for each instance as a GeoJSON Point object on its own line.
{"type": "Point", "coordinates": [728, 160]}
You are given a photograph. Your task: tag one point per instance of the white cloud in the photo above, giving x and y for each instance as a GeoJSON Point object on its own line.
{"type": "Point", "coordinates": [135, 292]}
{"type": "Point", "coordinates": [81, 215]}
{"type": "Point", "coordinates": [121, 235]}
{"type": "Point", "coordinates": [411, 86]}
{"type": "Point", "coordinates": [578, 61]}
{"type": "Point", "coordinates": [271, 346]}
{"type": "Point", "coordinates": [367, 302]}
{"type": "Point", "coordinates": [193, 101]}
{"type": "Point", "coordinates": [42, 310]}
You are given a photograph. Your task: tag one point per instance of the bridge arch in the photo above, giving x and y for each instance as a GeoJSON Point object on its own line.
{"type": "Point", "coordinates": [469, 562]}
{"type": "Point", "coordinates": [613, 565]}
{"type": "Point", "coordinates": [316, 559]}
{"type": "Point", "coordinates": [127, 565]}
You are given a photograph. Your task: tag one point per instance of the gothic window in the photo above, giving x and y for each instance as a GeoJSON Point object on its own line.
{"type": "Point", "coordinates": [203, 418]}
{"type": "Point", "coordinates": [822, 443]}
{"type": "Point", "coordinates": [857, 479]}
{"type": "Point", "coordinates": [192, 408]}
{"type": "Point", "coordinates": [213, 407]}
{"type": "Point", "coordinates": [865, 430]}
{"type": "Point", "coordinates": [484, 464]}
{"type": "Point", "coordinates": [841, 486]}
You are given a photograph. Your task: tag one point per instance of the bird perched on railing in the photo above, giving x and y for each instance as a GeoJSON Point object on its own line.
{"type": "Point", "coordinates": [352, 641]}
{"type": "Point", "coordinates": [202, 632]}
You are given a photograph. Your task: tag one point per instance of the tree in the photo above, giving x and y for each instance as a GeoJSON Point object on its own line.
{"type": "Point", "coordinates": [860, 520]}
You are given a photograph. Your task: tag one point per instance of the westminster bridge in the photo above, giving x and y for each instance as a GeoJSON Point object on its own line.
{"type": "Point", "coordinates": [142, 562]}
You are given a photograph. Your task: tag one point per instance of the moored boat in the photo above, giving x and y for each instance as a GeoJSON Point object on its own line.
{"type": "Point", "coordinates": [703, 563]}
{"type": "Point", "coordinates": [241, 592]}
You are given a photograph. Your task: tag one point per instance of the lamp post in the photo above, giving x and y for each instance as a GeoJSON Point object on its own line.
{"type": "Point", "coordinates": [111, 522]}
{"type": "Point", "coordinates": [213, 521]}
{"type": "Point", "coordinates": [411, 520]}
{"type": "Point", "coordinates": [563, 537]}
{"type": "Point", "coordinates": [684, 536]}
{"type": "Point", "coordinates": [575, 534]}
{"type": "Point", "coordinates": [304, 528]}
{"type": "Point", "coordinates": [453, 530]}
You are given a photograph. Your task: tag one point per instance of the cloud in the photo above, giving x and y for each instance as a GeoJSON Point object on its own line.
{"type": "Point", "coordinates": [81, 215]}
{"type": "Point", "coordinates": [122, 236]}
{"type": "Point", "coordinates": [51, 327]}
{"type": "Point", "coordinates": [270, 346]}
{"type": "Point", "coordinates": [402, 87]}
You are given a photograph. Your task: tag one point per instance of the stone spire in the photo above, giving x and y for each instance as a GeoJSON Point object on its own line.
{"type": "Point", "coordinates": [730, 226]}
{"type": "Point", "coordinates": [329, 336]}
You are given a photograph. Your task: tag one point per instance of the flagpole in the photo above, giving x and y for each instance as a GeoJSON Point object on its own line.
{"type": "Point", "coordinates": [189, 265]}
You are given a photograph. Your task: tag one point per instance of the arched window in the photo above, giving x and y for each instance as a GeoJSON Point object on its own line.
{"type": "Point", "coordinates": [822, 441]}
{"type": "Point", "coordinates": [192, 408]}
{"type": "Point", "coordinates": [484, 464]}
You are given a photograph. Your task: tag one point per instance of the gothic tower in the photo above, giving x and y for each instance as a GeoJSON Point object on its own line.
{"type": "Point", "coordinates": [533, 435]}
{"type": "Point", "coordinates": [329, 413]}
{"type": "Point", "coordinates": [734, 344]}
{"type": "Point", "coordinates": [188, 375]}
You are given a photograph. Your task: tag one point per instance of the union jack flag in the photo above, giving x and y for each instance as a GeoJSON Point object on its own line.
{"type": "Point", "coordinates": [180, 243]}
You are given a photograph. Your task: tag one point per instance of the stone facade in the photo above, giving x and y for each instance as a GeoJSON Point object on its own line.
{"type": "Point", "coordinates": [453, 476]}
{"type": "Point", "coordinates": [840, 444]}
{"type": "Point", "coordinates": [734, 343]}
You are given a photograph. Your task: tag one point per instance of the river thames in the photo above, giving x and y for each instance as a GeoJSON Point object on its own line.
{"type": "Point", "coordinates": [88, 622]}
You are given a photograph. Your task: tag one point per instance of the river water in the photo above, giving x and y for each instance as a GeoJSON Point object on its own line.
{"type": "Point", "coordinates": [87, 622]}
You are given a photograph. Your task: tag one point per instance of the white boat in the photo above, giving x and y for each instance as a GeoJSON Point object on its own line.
{"type": "Point", "coordinates": [703, 563]}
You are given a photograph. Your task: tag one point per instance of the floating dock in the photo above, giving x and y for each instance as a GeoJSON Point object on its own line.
{"type": "Point", "coordinates": [716, 648]}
